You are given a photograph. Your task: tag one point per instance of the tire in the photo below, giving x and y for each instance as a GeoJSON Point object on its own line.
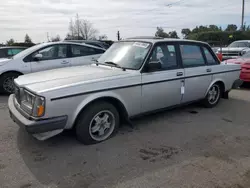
{"type": "Point", "coordinates": [7, 82]}
{"type": "Point", "coordinates": [93, 125]}
{"type": "Point", "coordinates": [213, 96]}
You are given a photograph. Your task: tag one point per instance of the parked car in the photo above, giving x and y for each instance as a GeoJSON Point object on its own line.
{"type": "Point", "coordinates": [91, 42]}
{"type": "Point", "coordinates": [9, 51]}
{"type": "Point", "coordinates": [235, 49]}
{"type": "Point", "coordinates": [244, 61]}
{"type": "Point", "coordinates": [45, 56]}
{"type": "Point", "coordinates": [133, 77]}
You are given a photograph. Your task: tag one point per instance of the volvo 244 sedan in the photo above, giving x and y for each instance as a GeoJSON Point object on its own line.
{"type": "Point", "coordinates": [133, 77]}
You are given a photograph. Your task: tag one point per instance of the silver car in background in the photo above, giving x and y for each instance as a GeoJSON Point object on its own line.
{"type": "Point", "coordinates": [133, 77]}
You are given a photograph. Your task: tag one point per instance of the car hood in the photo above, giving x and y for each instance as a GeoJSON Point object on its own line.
{"type": "Point", "coordinates": [51, 79]}
{"type": "Point", "coordinates": [239, 61]}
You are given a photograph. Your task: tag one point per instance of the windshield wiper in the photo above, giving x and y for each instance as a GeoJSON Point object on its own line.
{"type": "Point", "coordinates": [114, 64]}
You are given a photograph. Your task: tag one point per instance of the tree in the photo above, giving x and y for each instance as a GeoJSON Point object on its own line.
{"type": "Point", "coordinates": [185, 32]}
{"type": "Point", "coordinates": [231, 27]}
{"type": "Point", "coordinates": [103, 37]}
{"type": "Point", "coordinates": [81, 29]}
{"type": "Point", "coordinates": [27, 39]}
{"type": "Point", "coordinates": [173, 34]}
{"type": "Point", "coordinates": [214, 28]}
{"type": "Point", "coordinates": [10, 42]}
{"type": "Point", "coordinates": [56, 38]}
{"type": "Point", "coordinates": [161, 33]}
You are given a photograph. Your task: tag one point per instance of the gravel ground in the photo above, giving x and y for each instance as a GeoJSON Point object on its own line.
{"type": "Point", "coordinates": [186, 147]}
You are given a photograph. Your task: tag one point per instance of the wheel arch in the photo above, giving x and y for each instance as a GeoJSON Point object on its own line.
{"type": "Point", "coordinates": [12, 71]}
{"type": "Point", "coordinates": [115, 100]}
{"type": "Point", "coordinates": [220, 82]}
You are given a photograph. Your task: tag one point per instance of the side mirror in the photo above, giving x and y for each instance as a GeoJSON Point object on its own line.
{"type": "Point", "coordinates": [154, 66]}
{"type": "Point", "coordinates": [37, 57]}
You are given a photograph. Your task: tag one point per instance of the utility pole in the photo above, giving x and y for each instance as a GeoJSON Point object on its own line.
{"type": "Point", "coordinates": [118, 35]}
{"type": "Point", "coordinates": [78, 26]}
{"type": "Point", "coordinates": [48, 36]}
{"type": "Point", "coordinates": [242, 17]}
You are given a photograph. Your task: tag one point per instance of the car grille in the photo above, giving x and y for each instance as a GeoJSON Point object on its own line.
{"type": "Point", "coordinates": [231, 53]}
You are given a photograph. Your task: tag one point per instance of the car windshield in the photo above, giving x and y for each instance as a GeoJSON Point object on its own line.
{"type": "Point", "coordinates": [129, 55]}
{"type": "Point", "coordinates": [28, 51]}
{"type": "Point", "coordinates": [239, 45]}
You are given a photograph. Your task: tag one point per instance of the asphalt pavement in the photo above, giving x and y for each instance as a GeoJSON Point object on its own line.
{"type": "Point", "coordinates": [186, 147]}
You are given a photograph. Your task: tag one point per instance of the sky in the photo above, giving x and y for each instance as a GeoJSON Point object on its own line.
{"type": "Point", "coordinates": [130, 17]}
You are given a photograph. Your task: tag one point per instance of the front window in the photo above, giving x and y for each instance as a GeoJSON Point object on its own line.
{"type": "Point", "coordinates": [239, 45]}
{"type": "Point", "coordinates": [128, 55]}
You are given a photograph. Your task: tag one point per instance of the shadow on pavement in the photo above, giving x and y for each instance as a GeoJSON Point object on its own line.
{"type": "Point", "coordinates": [63, 161]}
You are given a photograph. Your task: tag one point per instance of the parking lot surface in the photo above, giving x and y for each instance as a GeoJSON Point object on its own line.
{"type": "Point", "coordinates": [185, 147]}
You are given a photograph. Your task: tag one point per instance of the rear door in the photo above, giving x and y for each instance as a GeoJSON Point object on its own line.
{"type": "Point", "coordinates": [197, 74]}
{"type": "Point", "coordinates": [83, 55]}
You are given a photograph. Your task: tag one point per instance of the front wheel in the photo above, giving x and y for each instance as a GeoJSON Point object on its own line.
{"type": "Point", "coordinates": [213, 96]}
{"type": "Point", "coordinates": [7, 82]}
{"type": "Point", "coordinates": [97, 123]}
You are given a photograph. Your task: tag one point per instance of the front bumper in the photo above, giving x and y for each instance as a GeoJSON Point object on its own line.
{"type": "Point", "coordinates": [35, 126]}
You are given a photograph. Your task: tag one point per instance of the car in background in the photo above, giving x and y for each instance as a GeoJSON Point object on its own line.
{"type": "Point", "coordinates": [244, 61]}
{"type": "Point", "coordinates": [45, 56]}
{"type": "Point", "coordinates": [92, 42]}
{"type": "Point", "coordinates": [133, 77]}
{"type": "Point", "coordinates": [9, 51]}
{"type": "Point", "coordinates": [235, 49]}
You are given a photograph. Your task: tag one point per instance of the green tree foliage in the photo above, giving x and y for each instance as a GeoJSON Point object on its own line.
{"type": "Point", "coordinates": [27, 39]}
{"type": "Point", "coordinates": [161, 33]}
{"type": "Point", "coordinates": [185, 32]}
{"type": "Point", "coordinates": [10, 42]}
{"type": "Point", "coordinates": [231, 27]}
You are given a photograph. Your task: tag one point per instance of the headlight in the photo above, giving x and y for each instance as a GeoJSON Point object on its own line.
{"type": "Point", "coordinates": [32, 104]}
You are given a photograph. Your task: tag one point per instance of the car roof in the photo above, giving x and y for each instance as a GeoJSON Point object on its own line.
{"type": "Point", "coordinates": [242, 41]}
{"type": "Point", "coordinates": [66, 42]}
{"type": "Point", "coordinates": [159, 39]}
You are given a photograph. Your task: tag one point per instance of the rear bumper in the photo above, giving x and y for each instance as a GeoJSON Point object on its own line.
{"type": "Point", "coordinates": [35, 126]}
{"type": "Point", "coordinates": [245, 76]}
{"type": "Point", "coordinates": [237, 83]}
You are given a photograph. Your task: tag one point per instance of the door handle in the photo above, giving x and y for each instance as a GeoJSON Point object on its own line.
{"type": "Point", "coordinates": [179, 74]}
{"type": "Point", "coordinates": [209, 70]}
{"type": "Point", "coordinates": [64, 62]}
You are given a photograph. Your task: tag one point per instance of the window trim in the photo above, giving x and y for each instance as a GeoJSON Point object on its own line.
{"type": "Point", "coordinates": [217, 62]}
{"type": "Point", "coordinates": [192, 44]}
{"type": "Point", "coordinates": [175, 44]}
{"type": "Point", "coordinates": [27, 58]}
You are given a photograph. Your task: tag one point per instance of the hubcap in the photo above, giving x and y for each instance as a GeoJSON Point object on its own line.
{"type": "Point", "coordinates": [8, 84]}
{"type": "Point", "coordinates": [213, 94]}
{"type": "Point", "coordinates": [102, 125]}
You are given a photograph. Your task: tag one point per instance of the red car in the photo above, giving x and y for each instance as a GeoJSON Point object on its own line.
{"type": "Point", "coordinates": [245, 66]}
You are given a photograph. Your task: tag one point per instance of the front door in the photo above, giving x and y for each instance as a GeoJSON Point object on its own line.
{"type": "Point", "coordinates": [54, 56]}
{"type": "Point", "coordinates": [161, 86]}
{"type": "Point", "coordinates": [197, 74]}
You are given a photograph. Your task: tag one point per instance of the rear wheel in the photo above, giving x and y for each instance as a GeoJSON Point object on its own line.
{"type": "Point", "coordinates": [7, 82]}
{"type": "Point", "coordinates": [213, 96]}
{"type": "Point", "coordinates": [97, 123]}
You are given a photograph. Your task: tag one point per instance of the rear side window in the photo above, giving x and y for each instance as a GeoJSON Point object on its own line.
{"type": "Point", "coordinates": [191, 55]}
{"type": "Point", "coordinates": [2, 53]}
{"type": "Point", "coordinates": [78, 50]}
{"type": "Point", "coordinates": [16, 51]}
{"type": "Point", "coordinates": [209, 57]}
{"type": "Point", "coordinates": [9, 52]}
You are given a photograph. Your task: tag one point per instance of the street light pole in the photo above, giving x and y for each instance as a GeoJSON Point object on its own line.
{"type": "Point", "coordinates": [242, 17]}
